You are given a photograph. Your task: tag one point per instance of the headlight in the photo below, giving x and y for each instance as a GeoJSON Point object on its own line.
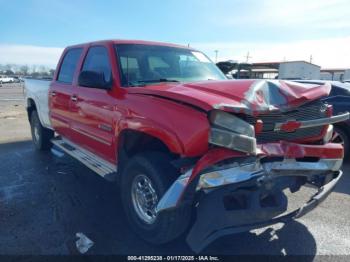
{"type": "Point", "coordinates": [231, 122]}
{"type": "Point", "coordinates": [239, 135]}
{"type": "Point", "coordinates": [231, 140]}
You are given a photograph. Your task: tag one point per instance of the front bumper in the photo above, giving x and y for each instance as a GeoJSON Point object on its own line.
{"type": "Point", "coordinates": [242, 192]}
{"type": "Point", "coordinates": [215, 219]}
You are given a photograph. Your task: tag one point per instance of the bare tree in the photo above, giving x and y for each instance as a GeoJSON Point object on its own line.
{"type": "Point", "coordinates": [24, 70]}
{"type": "Point", "coordinates": [51, 72]}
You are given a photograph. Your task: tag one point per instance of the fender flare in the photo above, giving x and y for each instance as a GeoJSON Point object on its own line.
{"type": "Point", "coordinates": [156, 130]}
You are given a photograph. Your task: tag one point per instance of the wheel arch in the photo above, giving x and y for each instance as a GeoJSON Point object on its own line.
{"type": "Point", "coordinates": [344, 127]}
{"type": "Point", "coordinates": [131, 142]}
{"type": "Point", "coordinates": [31, 106]}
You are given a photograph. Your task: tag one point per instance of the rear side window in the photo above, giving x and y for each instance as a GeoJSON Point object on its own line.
{"type": "Point", "coordinates": [97, 60]}
{"type": "Point", "coordinates": [69, 65]}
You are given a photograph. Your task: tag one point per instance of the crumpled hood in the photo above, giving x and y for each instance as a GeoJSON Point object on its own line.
{"type": "Point", "coordinates": [251, 97]}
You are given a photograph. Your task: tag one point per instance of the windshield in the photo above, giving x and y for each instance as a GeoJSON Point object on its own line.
{"type": "Point", "coordinates": [145, 64]}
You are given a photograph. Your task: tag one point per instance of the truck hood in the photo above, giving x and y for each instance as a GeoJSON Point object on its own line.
{"type": "Point", "coordinates": [252, 97]}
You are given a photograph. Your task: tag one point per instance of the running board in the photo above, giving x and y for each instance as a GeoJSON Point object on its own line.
{"type": "Point", "coordinates": [100, 166]}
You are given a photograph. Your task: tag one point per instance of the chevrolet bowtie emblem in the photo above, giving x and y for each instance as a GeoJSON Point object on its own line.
{"type": "Point", "coordinates": [289, 126]}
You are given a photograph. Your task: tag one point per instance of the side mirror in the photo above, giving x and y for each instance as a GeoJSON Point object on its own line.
{"type": "Point", "coordinates": [93, 79]}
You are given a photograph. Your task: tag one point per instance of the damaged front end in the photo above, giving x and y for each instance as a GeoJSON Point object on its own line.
{"type": "Point", "coordinates": [241, 184]}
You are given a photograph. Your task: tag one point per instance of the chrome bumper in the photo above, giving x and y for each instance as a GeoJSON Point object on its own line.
{"type": "Point", "coordinates": [318, 122]}
{"type": "Point", "coordinates": [237, 173]}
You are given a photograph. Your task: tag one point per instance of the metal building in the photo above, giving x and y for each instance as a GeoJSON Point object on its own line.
{"type": "Point", "coordinates": [298, 70]}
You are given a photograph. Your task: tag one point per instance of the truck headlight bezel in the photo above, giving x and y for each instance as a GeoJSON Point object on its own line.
{"type": "Point", "coordinates": [232, 140]}
{"type": "Point", "coordinates": [233, 123]}
{"type": "Point", "coordinates": [231, 132]}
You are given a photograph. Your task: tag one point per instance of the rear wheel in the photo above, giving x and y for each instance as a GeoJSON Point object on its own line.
{"type": "Point", "coordinates": [145, 179]}
{"type": "Point", "coordinates": [41, 136]}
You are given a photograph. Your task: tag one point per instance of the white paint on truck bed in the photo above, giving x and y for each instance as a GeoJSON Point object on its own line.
{"type": "Point", "coordinates": [38, 90]}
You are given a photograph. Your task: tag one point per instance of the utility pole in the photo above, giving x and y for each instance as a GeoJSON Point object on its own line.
{"type": "Point", "coordinates": [247, 57]}
{"type": "Point", "coordinates": [310, 59]}
{"type": "Point", "coordinates": [216, 55]}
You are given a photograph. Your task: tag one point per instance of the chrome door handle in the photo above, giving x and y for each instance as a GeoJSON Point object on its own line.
{"type": "Point", "coordinates": [74, 98]}
{"type": "Point", "coordinates": [53, 93]}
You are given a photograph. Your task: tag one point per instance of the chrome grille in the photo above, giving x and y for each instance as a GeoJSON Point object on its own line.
{"type": "Point", "coordinates": [303, 113]}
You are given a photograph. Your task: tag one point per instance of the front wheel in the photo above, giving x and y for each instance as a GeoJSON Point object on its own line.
{"type": "Point", "coordinates": [145, 179]}
{"type": "Point", "coordinates": [41, 136]}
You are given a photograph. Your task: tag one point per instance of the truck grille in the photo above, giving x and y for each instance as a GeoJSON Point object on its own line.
{"type": "Point", "coordinates": [309, 111]}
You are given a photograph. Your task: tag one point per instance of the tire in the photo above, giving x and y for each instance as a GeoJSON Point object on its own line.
{"type": "Point", "coordinates": [41, 136]}
{"type": "Point", "coordinates": [167, 225]}
{"type": "Point", "coordinates": [340, 136]}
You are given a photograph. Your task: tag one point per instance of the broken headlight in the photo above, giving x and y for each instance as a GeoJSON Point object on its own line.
{"type": "Point", "coordinates": [231, 122]}
{"type": "Point", "coordinates": [232, 132]}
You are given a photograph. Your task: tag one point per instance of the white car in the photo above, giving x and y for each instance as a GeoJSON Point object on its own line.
{"type": "Point", "coordinates": [5, 79]}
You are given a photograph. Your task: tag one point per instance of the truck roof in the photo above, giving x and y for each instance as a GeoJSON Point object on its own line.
{"type": "Point", "coordinates": [125, 41]}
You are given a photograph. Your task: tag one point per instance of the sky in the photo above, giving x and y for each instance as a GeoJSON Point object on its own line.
{"type": "Point", "coordinates": [36, 31]}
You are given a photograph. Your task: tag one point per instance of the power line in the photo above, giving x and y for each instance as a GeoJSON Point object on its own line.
{"type": "Point", "coordinates": [247, 57]}
{"type": "Point", "coordinates": [216, 55]}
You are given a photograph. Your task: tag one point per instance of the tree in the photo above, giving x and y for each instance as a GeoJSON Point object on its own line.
{"type": "Point", "coordinates": [51, 72]}
{"type": "Point", "coordinates": [9, 72]}
{"type": "Point", "coordinates": [24, 70]}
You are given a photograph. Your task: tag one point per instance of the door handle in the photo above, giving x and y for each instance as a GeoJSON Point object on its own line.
{"type": "Point", "coordinates": [74, 98]}
{"type": "Point", "coordinates": [53, 93]}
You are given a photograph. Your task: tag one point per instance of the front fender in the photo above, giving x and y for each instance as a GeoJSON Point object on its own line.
{"type": "Point", "coordinates": [183, 129]}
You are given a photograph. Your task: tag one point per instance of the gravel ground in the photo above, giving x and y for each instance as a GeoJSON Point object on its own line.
{"type": "Point", "coordinates": [46, 200]}
{"type": "Point", "coordinates": [12, 114]}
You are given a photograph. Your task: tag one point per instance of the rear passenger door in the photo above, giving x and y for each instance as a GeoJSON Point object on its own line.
{"type": "Point", "coordinates": [93, 121]}
{"type": "Point", "coordinates": [61, 91]}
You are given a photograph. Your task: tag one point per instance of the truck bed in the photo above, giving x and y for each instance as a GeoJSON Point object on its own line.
{"type": "Point", "coordinates": [38, 91]}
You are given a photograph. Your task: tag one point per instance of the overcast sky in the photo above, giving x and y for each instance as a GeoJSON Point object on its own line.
{"type": "Point", "coordinates": [36, 31]}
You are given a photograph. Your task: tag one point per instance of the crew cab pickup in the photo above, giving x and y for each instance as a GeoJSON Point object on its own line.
{"type": "Point", "coordinates": [191, 151]}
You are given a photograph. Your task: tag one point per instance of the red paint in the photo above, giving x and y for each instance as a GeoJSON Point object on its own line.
{"type": "Point", "coordinates": [208, 94]}
{"type": "Point", "coordinates": [290, 126]}
{"type": "Point", "coordinates": [282, 149]}
{"type": "Point", "coordinates": [258, 127]}
{"type": "Point", "coordinates": [213, 156]}
{"type": "Point", "coordinates": [329, 110]}
{"type": "Point", "coordinates": [293, 150]}
{"type": "Point", "coordinates": [155, 109]}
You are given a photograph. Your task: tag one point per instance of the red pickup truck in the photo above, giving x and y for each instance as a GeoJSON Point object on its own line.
{"type": "Point", "coordinates": [191, 151]}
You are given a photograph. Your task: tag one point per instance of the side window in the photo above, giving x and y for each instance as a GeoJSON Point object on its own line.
{"type": "Point", "coordinates": [69, 65]}
{"type": "Point", "coordinates": [97, 60]}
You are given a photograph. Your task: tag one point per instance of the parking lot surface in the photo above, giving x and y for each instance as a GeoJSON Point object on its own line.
{"type": "Point", "coordinates": [45, 200]}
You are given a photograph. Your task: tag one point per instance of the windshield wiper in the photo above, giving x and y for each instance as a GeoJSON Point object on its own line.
{"type": "Point", "coordinates": [158, 80]}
